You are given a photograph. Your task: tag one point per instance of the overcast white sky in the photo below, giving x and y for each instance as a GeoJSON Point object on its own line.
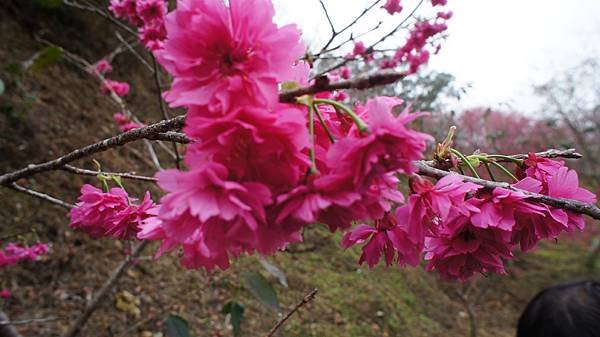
{"type": "Point", "coordinates": [501, 47]}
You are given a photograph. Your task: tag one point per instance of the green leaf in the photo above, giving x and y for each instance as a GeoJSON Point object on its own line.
{"type": "Point", "coordinates": [2, 87]}
{"type": "Point", "coordinates": [275, 271]}
{"type": "Point", "coordinates": [177, 327]}
{"type": "Point", "coordinates": [262, 289]}
{"type": "Point", "coordinates": [236, 312]}
{"type": "Point", "coordinates": [45, 58]}
{"type": "Point", "coordinates": [49, 3]}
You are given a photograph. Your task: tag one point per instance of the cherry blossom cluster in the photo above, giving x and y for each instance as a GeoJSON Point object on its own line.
{"type": "Point", "coordinates": [110, 213]}
{"type": "Point", "coordinates": [147, 15]}
{"type": "Point", "coordinates": [259, 171]}
{"type": "Point", "coordinates": [416, 51]}
{"type": "Point", "coordinates": [463, 229]}
{"type": "Point", "coordinates": [14, 253]}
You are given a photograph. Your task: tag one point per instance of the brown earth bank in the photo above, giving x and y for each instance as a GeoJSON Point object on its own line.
{"type": "Point", "coordinates": [59, 108]}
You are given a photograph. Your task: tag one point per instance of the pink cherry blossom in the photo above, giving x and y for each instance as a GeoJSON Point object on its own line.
{"type": "Point", "coordinates": [125, 124]}
{"type": "Point", "coordinates": [151, 10]}
{"type": "Point", "coordinates": [499, 209]}
{"type": "Point", "coordinates": [345, 73]}
{"type": "Point", "coordinates": [439, 2]}
{"type": "Point", "coordinates": [5, 294]}
{"type": "Point", "coordinates": [462, 249]}
{"type": "Point", "coordinates": [565, 184]}
{"type": "Point", "coordinates": [387, 238]}
{"type": "Point", "coordinates": [218, 53]}
{"type": "Point", "coordinates": [393, 6]}
{"type": "Point", "coordinates": [102, 67]}
{"type": "Point", "coordinates": [430, 205]}
{"type": "Point", "coordinates": [111, 213]}
{"type": "Point", "coordinates": [120, 89]}
{"type": "Point", "coordinates": [125, 223]}
{"type": "Point", "coordinates": [254, 143]}
{"type": "Point", "coordinates": [445, 15]}
{"type": "Point", "coordinates": [208, 216]}
{"type": "Point", "coordinates": [152, 35]}
{"type": "Point", "coordinates": [95, 209]}
{"type": "Point", "coordinates": [125, 9]}
{"type": "Point", "coordinates": [359, 49]}
{"type": "Point", "coordinates": [542, 169]}
{"type": "Point", "coordinates": [14, 253]}
{"type": "Point", "coordinates": [389, 146]}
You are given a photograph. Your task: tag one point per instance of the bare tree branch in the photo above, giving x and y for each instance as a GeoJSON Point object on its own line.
{"type": "Point", "coordinates": [40, 195]}
{"type": "Point", "coordinates": [104, 290]}
{"type": "Point", "coordinates": [119, 140]}
{"type": "Point", "coordinates": [309, 297]}
{"type": "Point", "coordinates": [31, 321]}
{"type": "Point", "coordinates": [359, 82]}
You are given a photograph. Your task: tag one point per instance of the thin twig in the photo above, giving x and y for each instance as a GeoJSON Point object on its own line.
{"type": "Point", "coordinates": [365, 81]}
{"type": "Point", "coordinates": [40, 195]}
{"type": "Point", "coordinates": [32, 320]}
{"type": "Point", "coordinates": [163, 108]}
{"type": "Point", "coordinates": [93, 9]}
{"type": "Point", "coordinates": [104, 290]}
{"type": "Point", "coordinates": [309, 297]}
{"type": "Point", "coordinates": [132, 50]}
{"type": "Point", "coordinates": [80, 171]}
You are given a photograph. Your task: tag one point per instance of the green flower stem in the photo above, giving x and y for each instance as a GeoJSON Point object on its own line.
{"type": "Point", "coordinates": [362, 126]}
{"type": "Point", "coordinates": [465, 161]}
{"type": "Point", "coordinates": [502, 168]}
{"type": "Point", "coordinates": [311, 131]}
{"type": "Point", "coordinates": [489, 171]}
{"type": "Point", "coordinates": [322, 121]}
{"type": "Point", "coordinates": [507, 158]}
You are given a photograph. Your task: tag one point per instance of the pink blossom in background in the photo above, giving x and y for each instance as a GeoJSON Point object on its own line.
{"type": "Point", "coordinates": [5, 294]}
{"type": "Point", "coordinates": [150, 11]}
{"type": "Point", "coordinates": [445, 15]}
{"type": "Point", "coordinates": [345, 73]}
{"type": "Point", "coordinates": [359, 49]}
{"type": "Point", "coordinates": [125, 124]}
{"type": "Point", "coordinates": [340, 96]}
{"type": "Point", "coordinates": [125, 9]}
{"type": "Point", "coordinates": [14, 253]}
{"type": "Point", "coordinates": [393, 6]}
{"type": "Point", "coordinates": [121, 89]}
{"type": "Point", "coordinates": [102, 67]}
{"type": "Point", "coordinates": [217, 53]}
{"type": "Point", "coordinates": [439, 2]}
{"type": "Point", "coordinates": [152, 36]}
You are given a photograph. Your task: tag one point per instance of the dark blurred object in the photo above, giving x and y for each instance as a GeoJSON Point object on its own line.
{"type": "Point", "coordinates": [569, 310]}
